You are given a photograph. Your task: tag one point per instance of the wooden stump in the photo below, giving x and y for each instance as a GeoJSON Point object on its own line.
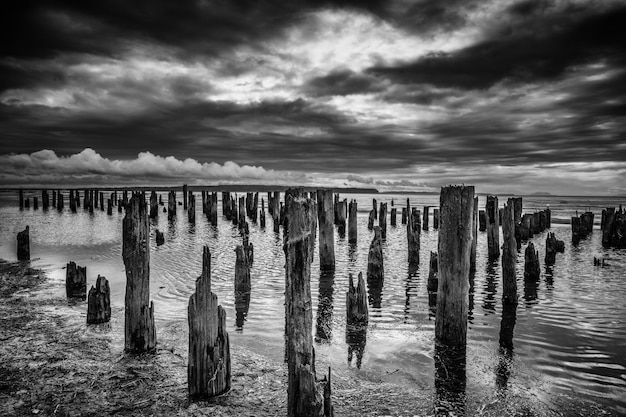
{"type": "Point", "coordinates": [375, 268]}
{"type": "Point", "coordinates": [455, 241]}
{"type": "Point", "coordinates": [509, 255]}
{"type": "Point", "coordinates": [154, 206]}
{"type": "Point", "coordinates": [371, 219]}
{"type": "Point", "coordinates": [54, 198]}
{"type": "Point", "coordinates": [356, 303]}
{"type": "Point", "coordinates": [99, 302]}
{"type": "Point", "coordinates": [304, 397]}
{"type": "Point", "coordinates": [341, 217]}
{"type": "Point", "coordinates": [324, 319]}
{"type": "Point", "coordinates": [436, 218]}
{"type": "Point", "coordinates": [531, 263]}
{"type": "Point", "coordinates": [382, 220]}
{"type": "Point", "coordinates": [45, 199]}
{"type": "Point", "coordinates": [552, 247]}
{"type": "Point", "coordinates": [21, 195]}
{"type": "Point", "coordinates": [60, 202]}
{"type": "Point", "coordinates": [208, 369]}
{"type": "Point", "coordinates": [26, 203]}
{"type": "Point", "coordinates": [160, 239]}
{"type": "Point", "coordinates": [191, 207]}
{"type": "Point", "coordinates": [35, 203]}
{"type": "Point", "coordinates": [352, 222]}
{"type": "Point", "coordinates": [404, 215]}
{"type": "Point", "coordinates": [75, 281]}
{"type": "Point", "coordinates": [109, 207]}
{"type": "Point", "coordinates": [243, 284]}
{"type": "Point", "coordinates": [426, 217]}
{"type": "Point", "coordinates": [375, 208]}
{"type": "Point", "coordinates": [493, 227]}
{"type": "Point", "coordinates": [23, 245]}
{"type": "Point", "coordinates": [101, 201]}
{"type": "Point", "coordinates": [413, 233]}
{"type": "Point", "coordinates": [433, 281]}
{"type": "Point", "coordinates": [139, 330]}
{"type": "Point", "coordinates": [171, 205]}
{"type": "Point", "coordinates": [325, 217]}
{"type": "Point", "coordinates": [482, 220]}
{"type": "Point", "coordinates": [393, 221]}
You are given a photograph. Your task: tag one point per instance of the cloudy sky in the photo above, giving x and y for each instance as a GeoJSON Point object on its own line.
{"type": "Point", "coordinates": [510, 96]}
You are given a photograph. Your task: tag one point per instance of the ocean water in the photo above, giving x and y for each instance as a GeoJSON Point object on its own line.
{"type": "Point", "coordinates": [568, 331]}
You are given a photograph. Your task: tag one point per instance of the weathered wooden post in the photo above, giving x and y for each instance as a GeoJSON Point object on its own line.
{"type": "Point", "coordinates": [425, 219]}
{"type": "Point", "coordinates": [139, 330]}
{"type": "Point", "coordinates": [341, 207]}
{"type": "Point", "coordinates": [75, 281]}
{"type": "Point", "coordinates": [509, 254]}
{"type": "Point", "coordinates": [160, 239]}
{"type": "Point", "coordinates": [95, 198]}
{"type": "Point", "coordinates": [303, 398]}
{"type": "Point", "coordinates": [356, 303]}
{"type": "Point", "coordinates": [482, 220]}
{"type": "Point", "coordinates": [404, 215]}
{"type": "Point", "coordinates": [72, 201]}
{"type": "Point", "coordinates": [576, 232]}
{"type": "Point", "coordinates": [552, 247]}
{"type": "Point", "coordinates": [474, 236]}
{"type": "Point", "coordinates": [54, 198]}
{"type": "Point", "coordinates": [352, 222]}
{"type": "Point", "coordinates": [493, 227]}
{"type": "Point", "coordinates": [375, 208]}
{"type": "Point", "coordinates": [455, 241]}
{"type": "Point", "coordinates": [413, 233]}
{"type": "Point", "coordinates": [21, 192]}
{"type": "Point", "coordinates": [171, 205]}
{"type": "Point", "coordinates": [371, 219]}
{"type": "Point", "coordinates": [35, 203]}
{"type": "Point", "coordinates": [23, 245]}
{"type": "Point", "coordinates": [191, 207]}
{"type": "Point", "coordinates": [436, 218]}
{"type": "Point", "coordinates": [325, 218]}
{"type": "Point", "coordinates": [433, 282]}
{"type": "Point", "coordinates": [375, 268]}
{"type": "Point", "coordinates": [275, 211]}
{"type": "Point", "coordinates": [154, 206]}
{"type": "Point", "coordinates": [243, 284]}
{"type": "Point", "coordinates": [45, 199]}
{"type": "Point", "coordinates": [208, 369]}
{"type": "Point", "coordinates": [262, 220]}
{"type": "Point", "coordinates": [99, 302]}
{"type": "Point", "coordinates": [185, 201]}
{"type": "Point", "coordinates": [26, 203]}
{"type": "Point", "coordinates": [382, 220]}
{"type": "Point", "coordinates": [393, 216]}
{"type": "Point", "coordinates": [101, 194]}
{"type": "Point", "coordinates": [531, 263]}
{"type": "Point", "coordinates": [60, 203]}
{"type": "Point", "coordinates": [517, 209]}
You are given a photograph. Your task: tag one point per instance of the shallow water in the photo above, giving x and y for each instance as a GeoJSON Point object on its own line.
{"type": "Point", "coordinates": [569, 332]}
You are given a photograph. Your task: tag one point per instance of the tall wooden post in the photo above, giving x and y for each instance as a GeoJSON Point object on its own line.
{"type": "Point", "coordinates": [21, 193]}
{"type": "Point", "coordinates": [413, 237]}
{"type": "Point", "coordinates": [425, 219]}
{"type": "Point", "coordinates": [140, 333]}
{"type": "Point", "coordinates": [191, 207]}
{"type": "Point", "coordinates": [509, 254]}
{"type": "Point", "coordinates": [436, 218]}
{"type": "Point", "coordinates": [375, 268]}
{"type": "Point", "coordinates": [208, 369]}
{"type": "Point", "coordinates": [185, 205]}
{"type": "Point", "coordinates": [171, 205]}
{"type": "Point", "coordinates": [325, 218]}
{"type": "Point", "coordinates": [45, 199]}
{"type": "Point", "coordinates": [455, 241]}
{"type": "Point", "coordinates": [154, 206]}
{"type": "Point", "coordinates": [303, 400]}
{"type": "Point", "coordinates": [23, 245]}
{"type": "Point", "coordinates": [493, 227]}
{"type": "Point", "coordinates": [433, 281]}
{"type": "Point", "coordinates": [474, 236]}
{"type": "Point", "coordinates": [382, 220]}
{"type": "Point", "coordinates": [352, 222]}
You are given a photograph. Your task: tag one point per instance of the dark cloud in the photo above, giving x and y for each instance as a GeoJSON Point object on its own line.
{"type": "Point", "coordinates": [342, 83]}
{"type": "Point", "coordinates": [545, 54]}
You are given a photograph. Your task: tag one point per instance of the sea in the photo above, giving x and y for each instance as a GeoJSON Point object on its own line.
{"type": "Point", "coordinates": [568, 346]}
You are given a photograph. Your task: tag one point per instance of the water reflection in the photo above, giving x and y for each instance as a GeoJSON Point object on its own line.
{"type": "Point", "coordinates": [375, 293]}
{"type": "Point", "coordinates": [323, 329]}
{"type": "Point", "coordinates": [356, 338]}
{"type": "Point", "coordinates": [491, 287]}
{"type": "Point", "coordinates": [531, 286]}
{"type": "Point", "coordinates": [432, 284]}
{"type": "Point", "coordinates": [242, 305]}
{"type": "Point", "coordinates": [507, 325]}
{"type": "Point", "coordinates": [549, 276]}
{"type": "Point", "coordinates": [412, 280]}
{"type": "Point", "coordinates": [450, 380]}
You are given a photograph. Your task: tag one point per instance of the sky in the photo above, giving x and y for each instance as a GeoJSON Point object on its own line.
{"type": "Point", "coordinates": [510, 96]}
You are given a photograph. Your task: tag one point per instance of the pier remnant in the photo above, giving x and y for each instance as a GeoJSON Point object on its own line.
{"type": "Point", "coordinates": [23, 245]}
{"type": "Point", "coordinates": [75, 281]}
{"type": "Point", "coordinates": [509, 254]}
{"type": "Point", "coordinates": [493, 227]}
{"type": "Point", "coordinates": [99, 302]}
{"type": "Point", "coordinates": [325, 218]}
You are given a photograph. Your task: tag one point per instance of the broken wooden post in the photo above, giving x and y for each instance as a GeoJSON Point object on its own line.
{"type": "Point", "coordinates": [531, 263]}
{"type": "Point", "coordinates": [382, 220]}
{"type": "Point", "coordinates": [99, 302]}
{"type": "Point", "coordinates": [303, 397]}
{"type": "Point", "coordinates": [139, 330]}
{"type": "Point", "coordinates": [371, 219]}
{"type": "Point", "coordinates": [185, 201]}
{"type": "Point", "coordinates": [375, 268]}
{"type": "Point", "coordinates": [325, 218]}
{"type": "Point", "coordinates": [21, 193]}
{"type": "Point", "coordinates": [582, 226]}
{"type": "Point", "coordinates": [404, 215]}
{"type": "Point", "coordinates": [26, 203]}
{"type": "Point", "coordinates": [242, 211]}
{"type": "Point", "coordinates": [191, 207]}
{"type": "Point", "coordinates": [94, 197]}
{"type": "Point", "coordinates": [101, 201]}
{"type": "Point", "coordinates": [171, 205]}
{"type": "Point", "coordinates": [474, 236]}
{"type": "Point", "coordinates": [75, 281]}
{"type": "Point", "coordinates": [23, 245]}
{"type": "Point", "coordinates": [352, 222]}
{"type": "Point", "coordinates": [436, 218]}
{"type": "Point", "coordinates": [393, 221]}
{"type": "Point", "coordinates": [482, 220]}
{"type": "Point", "coordinates": [509, 254]}
{"type": "Point", "coordinates": [45, 199]}
{"type": "Point", "coordinates": [493, 227]}
{"type": "Point", "coordinates": [517, 209]}
{"type": "Point", "coordinates": [160, 239]}
{"type": "Point", "coordinates": [35, 203]}
{"type": "Point", "coordinates": [552, 247]}
{"type": "Point", "coordinates": [275, 211]}
{"type": "Point", "coordinates": [324, 319]}
{"type": "Point", "coordinates": [247, 246]}
{"type": "Point", "coordinates": [433, 282]}
{"type": "Point", "coordinates": [341, 216]}
{"type": "Point", "coordinates": [413, 233]}
{"type": "Point", "coordinates": [154, 207]}
{"type": "Point", "coordinates": [208, 368]}
{"type": "Point", "coordinates": [614, 230]}
{"type": "Point", "coordinates": [375, 208]}
{"type": "Point", "coordinates": [356, 303]}
{"type": "Point", "coordinates": [455, 241]}
{"type": "Point", "coordinates": [425, 219]}
{"type": "Point", "coordinates": [54, 198]}
{"type": "Point", "coordinates": [243, 284]}
{"type": "Point", "coordinates": [60, 203]}
{"type": "Point", "coordinates": [72, 201]}
{"type": "Point", "coordinates": [262, 220]}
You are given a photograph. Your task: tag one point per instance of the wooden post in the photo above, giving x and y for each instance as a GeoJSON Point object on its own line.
{"type": "Point", "coordinates": [45, 199]}
{"type": "Point", "coordinates": [21, 192]}
{"type": "Point", "coordinates": [375, 208]}
{"type": "Point", "coordinates": [455, 241]}
{"type": "Point", "coordinates": [436, 218]}
{"type": "Point", "coordinates": [35, 203]}
{"type": "Point", "coordinates": [101, 201]}
{"type": "Point", "coordinates": [493, 227]}
{"type": "Point", "coordinates": [154, 207]}
{"type": "Point", "coordinates": [95, 198]}
{"type": "Point", "coordinates": [54, 198]}
{"type": "Point", "coordinates": [382, 220]}
{"type": "Point", "coordinates": [393, 216]}
{"type": "Point", "coordinates": [208, 369]}
{"type": "Point", "coordinates": [243, 284]}
{"type": "Point", "coordinates": [303, 398]}
{"type": "Point", "coordinates": [72, 201]}
{"type": "Point", "coordinates": [509, 254]}
{"type": "Point", "coordinates": [171, 205]}
{"type": "Point", "coordinates": [531, 263]}
{"type": "Point", "coordinates": [404, 215]}
{"type": "Point", "coordinates": [474, 236]}
{"type": "Point", "coordinates": [371, 219]}
{"type": "Point", "coordinates": [517, 209]}
{"type": "Point", "coordinates": [352, 222]}
{"type": "Point", "coordinates": [140, 333]}
{"type": "Point", "coordinates": [275, 211]}
{"type": "Point", "coordinates": [576, 230]}
{"type": "Point", "coordinates": [341, 216]}
{"type": "Point", "coordinates": [160, 239]}
{"type": "Point", "coordinates": [375, 268]}
{"type": "Point", "coordinates": [482, 220]}
{"type": "Point", "coordinates": [262, 221]}
{"type": "Point", "coordinates": [26, 203]}
{"type": "Point", "coordinates": [356, 303]}
{"type": "Point", "coordinates": [552, 247]}
{"type": "Point", "coordinates": [60, 203]}
{"type": "Point", "coordinates": [99, 302]}
{"type": "Point", "coordinates": [433, 282]}
{"type": "Point", "coordinates": [325, 218]}
{"type": "Point", "coordinates": [185, 197]}
{"type": "Point", "coordinates": [191, 207]}
{"type": "Point", "coordinates": [23, 245]}
{"type": "Point", "coordinates": [425, 220]}
{"type": "Point", "coordinates": [75, 281]}
{"type": "Point", "coordinates": [413, 233]}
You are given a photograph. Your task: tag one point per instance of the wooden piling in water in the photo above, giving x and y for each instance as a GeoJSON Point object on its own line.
{"type": "Point", "coordinates": [493, 227]}
{"type": "Point", "coordinates": [436, 218]}
{"type": "Point", "coordinates": [352, 222]}
{"type": "Point", "coordinates": [139, 330]}
{"type": "Point", "coordinates": [582, 226]}
{"type": "Point", "coordinates": [404, 215]}
{"type": "Point", "coordinates": [185, 197]}
{"type": "Point", "coordinates": [342, 206]}
{"type": "Point", "coordinates": [393, 217]}
{"type": "Point", "coordinates": [552, 247]}
{"type": "Point", "coordinates": [433, 282]}
{"type": "Point", "coordinates": [99, 302]}
{"type": "Point", "coordinates": [509, 254]}
{"type": "Point", "coordinates": [21, 196]}
{"type": "Point", "coordinates": [54, 198]}
{"type": "Point", "coordinates": [531, 263]}
{"type": "Point", "coordinates": [101, 201]}
{"type": "Point", "coordinates": [325, 216]}
{"type": "Point", "coordinates": [154, 205]}
{"type": "Point", "coordinates": [262, 214]}
{"type": "Point", "coordinates": [382, 220]}
{"type": "Point", "coordinates": [275, 211]}
{"type": "Point", "coordinates": [243, 284]}
{"type": "Point", "coordinates": [413, 232]}
{"type": "Point", "coordinates": [371, 219]}
{"type": "Point", "coordinates": [60, 201]}
{"type": "Point", "coordinates": [455, 241]}
{"type": "Point", "coordinates": [208, 368]}
{"type": "Point", "coordinates": [72, 201]}
{"type": "Point", "coordinates": [375, 263]}
{"type": "Point", "coordinates": [425, 218]}
{"type": "Point", "coordinates": [474, 236]}
{"type": "Point", "coordinates": [171, 205]}
{"type": "Point", "coordinates": [482, 220]}
{"type": "Point", "coordinates": [191, 207]}
{"type": "Point", "coordinates": [75, 281]}
{"type": "Point", "coordinates": [614, 228]}
{"type": "Point", "coordinates": [35, 203]}
{"type": "Point", "coordinates": [45, 199]}
{"type": "Point", "coordinates": [303, 397]}
{"type": "Point", "coordinates": [356, 303]}
{"type": "Point", "coordinates": [23, 245]}
{"type": "Point", "coordinates": [160, 239]}
{"type": "Point", "coordinates": [26, 203]}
